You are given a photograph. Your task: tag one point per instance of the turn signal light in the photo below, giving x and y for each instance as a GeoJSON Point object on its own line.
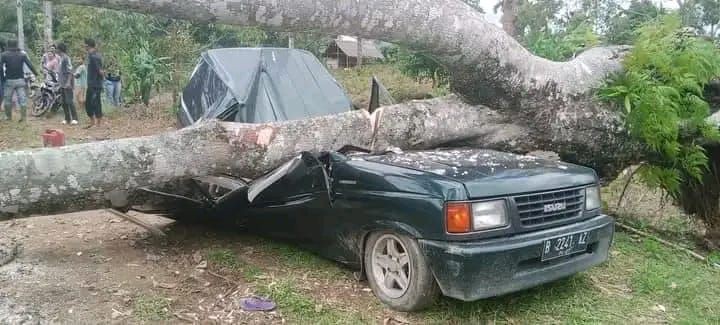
{"type": "Point", "coordinates": [457, 217]}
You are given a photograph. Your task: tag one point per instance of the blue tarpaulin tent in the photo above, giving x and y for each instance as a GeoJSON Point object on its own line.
{"type": "Point", "coordinates": [258, 85]}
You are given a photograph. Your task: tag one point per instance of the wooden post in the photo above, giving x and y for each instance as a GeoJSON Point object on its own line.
{"type": "Point", "coordinates": [48, 13]}
{"type": "Point", "coordinates": [21, 27]}
{"type": "Point", "coordinates": [359, 52]}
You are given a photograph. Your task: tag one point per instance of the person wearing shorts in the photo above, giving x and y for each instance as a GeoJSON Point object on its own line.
{"type": "Point", "coordinates": [95, 82]}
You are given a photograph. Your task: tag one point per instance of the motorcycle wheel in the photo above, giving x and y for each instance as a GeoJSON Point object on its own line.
{"type": "Point", "coordinates": [41, 104]}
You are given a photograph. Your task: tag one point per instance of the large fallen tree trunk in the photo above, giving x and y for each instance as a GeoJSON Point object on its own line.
{"type": "Point", "coordinates": [530, 104]}
{"type": "Point", "coordinates": [107, 174]}
{"type": "Point", "coordinates": [552, 101]}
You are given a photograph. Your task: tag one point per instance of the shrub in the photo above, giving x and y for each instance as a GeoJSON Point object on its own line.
{"type": "Point", "coordinates": [661, 97]}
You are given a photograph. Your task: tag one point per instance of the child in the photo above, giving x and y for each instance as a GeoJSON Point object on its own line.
{"type": "Point", "coordinates": [81, 82]}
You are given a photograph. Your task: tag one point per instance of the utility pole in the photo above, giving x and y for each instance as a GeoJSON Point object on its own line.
{"type": "Point", "coordinates": [359, 52]}
{"type": "Point", "coordinates": [21, 27]}
{"type": "Point", "coordinates": [48, 10]}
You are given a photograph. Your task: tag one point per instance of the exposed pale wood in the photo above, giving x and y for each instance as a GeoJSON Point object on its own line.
{"type": "Point", "coordinates": [151, 228]}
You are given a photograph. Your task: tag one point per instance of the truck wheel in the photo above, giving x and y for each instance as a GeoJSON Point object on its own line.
{"type": "Point", "coordinates": [398, 272]}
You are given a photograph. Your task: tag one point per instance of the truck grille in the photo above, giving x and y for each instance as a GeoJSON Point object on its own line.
{"type": "Point", "coordinates": [533, 212]}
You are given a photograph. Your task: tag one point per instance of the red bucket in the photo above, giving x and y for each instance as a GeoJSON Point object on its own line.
{"type": "Point", "coordinates": [53, 138]}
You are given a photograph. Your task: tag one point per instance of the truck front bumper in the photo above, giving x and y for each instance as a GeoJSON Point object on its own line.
{"type": "Point", "coordinates": [486, 268]}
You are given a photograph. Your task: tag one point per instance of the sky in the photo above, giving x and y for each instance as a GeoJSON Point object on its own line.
{"type": "Point", "coordinates": [494, 18]}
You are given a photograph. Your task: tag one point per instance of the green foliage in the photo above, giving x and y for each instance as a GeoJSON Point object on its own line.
{"type": "Point", "coordinates": [623, 28]}
{"type": "Point", "coordinates": [145, 71]}
{"type": "Point", "coordinates": [661, 99]}
{"type": "Point", "coordinates": [417, 65]}
{"type": "Point", "coordinates": [151, 52]}
{"type": "Point", "coordinates": [563, 45]}
{"type": "Point", "coordinates": [8, 20]}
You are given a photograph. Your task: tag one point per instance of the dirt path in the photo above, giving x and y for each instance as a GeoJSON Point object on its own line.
{"type": "Point", "coordinates": [120, 123]}
{"type": "Point", "coordinates": [85, 267]}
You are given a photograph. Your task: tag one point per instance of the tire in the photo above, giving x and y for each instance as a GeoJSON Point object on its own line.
{"type": "Point", "coordinates": [41, 105]}
{"type": "Point", "coordinates": [386, 271]}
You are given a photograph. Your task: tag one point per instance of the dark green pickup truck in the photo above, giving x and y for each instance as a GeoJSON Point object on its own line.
{"type": "Point", "coordinates": [469, 224]}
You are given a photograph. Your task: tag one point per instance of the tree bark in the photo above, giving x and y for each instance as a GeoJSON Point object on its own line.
{"type": "Point", "coordinates": [20, 25]}
{"type": "Point", "coordinates": [48, 23]}
{"type": "Point", "coordinates": [552, 101]}
{"type": "Point", "coordinates": [534, 104]}
{"type": "Point", "coordinates": [106, 174]}
{"type": "Point", "coordinates": [449, 30]}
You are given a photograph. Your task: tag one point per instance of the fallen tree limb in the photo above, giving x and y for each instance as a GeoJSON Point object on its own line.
{"type": "Point", "coordinates": [661, 241]}
{"type": "Point", "coordinates": [152, 229]}
{"type": "Point", "coordinates": [106, 174]}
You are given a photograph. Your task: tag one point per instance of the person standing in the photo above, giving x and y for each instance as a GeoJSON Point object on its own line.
{"type": "Point", "coordinates": [81, 83]}
{"type": "Point", "coordinates": [95, 80]}
{"type": "Point", "coordinates": [114, 88]}
{"type": "Point", "coordinates": [66, 79]}
{"type": "Point", "coordinates": [12, 63]}
{"type": "Point", "coordinates": [51, 61]}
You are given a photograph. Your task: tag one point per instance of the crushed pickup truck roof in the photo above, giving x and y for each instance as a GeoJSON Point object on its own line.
{"type": "Point", "coordinates": [259, 85]}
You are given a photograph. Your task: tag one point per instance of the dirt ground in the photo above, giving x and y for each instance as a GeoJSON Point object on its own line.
{"type": "Point", "coordinates": [85, 267]}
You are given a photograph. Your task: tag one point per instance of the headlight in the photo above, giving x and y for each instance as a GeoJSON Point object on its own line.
{"type": "Point", "coordinates": [592, 198]}
{"type": "Point", "coordinates": [463, 217]}
{"type": "Point", "coordinates": [490, 214]}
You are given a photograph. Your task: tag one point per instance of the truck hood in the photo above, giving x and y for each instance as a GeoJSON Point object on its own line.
{"type": "Point", "coordinates": [487, 173]}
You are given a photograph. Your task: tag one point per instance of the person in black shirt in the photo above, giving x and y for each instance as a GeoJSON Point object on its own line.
{"type": "Point", "coordinates": [66, 79]}
{"type": "Point", "coordinates": [12, 64]}
{"type": "Point", "coordinates": [95, 80]}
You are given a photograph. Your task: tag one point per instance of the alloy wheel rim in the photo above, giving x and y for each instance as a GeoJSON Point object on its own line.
{"type": "Point", "coordinates": [391, 266]}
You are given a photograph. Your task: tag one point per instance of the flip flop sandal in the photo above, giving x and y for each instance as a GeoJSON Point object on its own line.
{"type": "Point", "coordinates": [257, 304]}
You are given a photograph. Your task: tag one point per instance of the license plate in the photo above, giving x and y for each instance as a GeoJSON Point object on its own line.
{"type": "Point", "coordinates": [564, 245]}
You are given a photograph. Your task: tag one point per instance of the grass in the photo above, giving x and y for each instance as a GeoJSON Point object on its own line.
{"type": "Point", "coordinates": [227, 259]}
{"type": "Point", "coordinates": [629, 289]}
{"type": "Point", "coordinates": [401, 87]}
{"type": "Point", "coordinates": [151, 308]}
{"type": "Point", "coordinates": [295, 304]}
{"type": "Point", "coordinates": [643, 283]}
{"type": "Point", "coordinates": [303, 309]}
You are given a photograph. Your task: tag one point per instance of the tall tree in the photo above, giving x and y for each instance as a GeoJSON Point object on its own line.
{"type": "Point", "coordinates": [710, 18]}
{"type": "Point", "coordinates": [20, 25]}
{"type": "Point", "coordinates": [529, 103]}
{"type": "Point", "coordinates": [48, 23]}
{"type": "Point", "coordinates": [623, 27]}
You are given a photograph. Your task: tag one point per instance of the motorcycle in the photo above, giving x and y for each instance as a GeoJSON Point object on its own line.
{"type": "Point", "coordinates": [46, 97]}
